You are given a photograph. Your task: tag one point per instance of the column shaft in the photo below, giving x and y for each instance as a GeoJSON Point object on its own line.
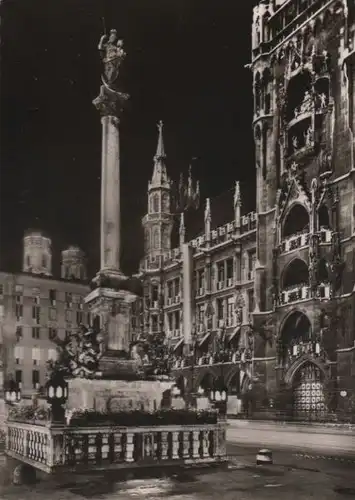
{"type": "Point", "coordinates": [110, 195]}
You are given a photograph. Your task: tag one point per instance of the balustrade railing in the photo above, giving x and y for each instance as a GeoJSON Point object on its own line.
{"type": "Point", "coordinates": [229, 356]}
{"type": "Point", "coordinates": [303, 292]}
{"type": "Point", "coordinates": [58, 447]}
{"type": "Point", "coordinates": [295, 241]}
{"type": "Point", "coordinates": [296, 350]}
{"type": "Point", "coordinates": [300, 240]}
{"type": "Point", "coordinates": [294, 294]}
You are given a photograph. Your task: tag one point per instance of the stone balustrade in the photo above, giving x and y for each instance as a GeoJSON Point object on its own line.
{"type": "Point", "coordinates": [240, 355]}
{"type": "Point", "coordinates": [295, 241]}
{"type": "Point", "coordinates": [301, 240]}
{"type": "Point", "coordinates": [303, 292]}
{"type": "Point", "coordinates": [60, 447]}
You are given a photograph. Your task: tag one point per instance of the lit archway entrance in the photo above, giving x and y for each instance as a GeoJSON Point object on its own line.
{"type": "Point", "coordinates": [308, 393]}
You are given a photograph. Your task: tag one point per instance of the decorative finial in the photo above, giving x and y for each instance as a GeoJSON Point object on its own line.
{"type": "Point", "coordinates": [237, 196]}
{"type": "Point", "coordinates": [160, 146]}
{"type": "Point", "coordinates": [208, 210]}
{"type": "Point", "coordinates": [182, 228]}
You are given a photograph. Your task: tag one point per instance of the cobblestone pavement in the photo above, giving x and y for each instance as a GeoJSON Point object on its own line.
{"type": "Point", "coordinates": [292, 476]}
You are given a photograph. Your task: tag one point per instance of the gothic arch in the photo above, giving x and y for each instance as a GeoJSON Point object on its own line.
{"type": "Point", "coordinates": [266, 29]}
{"type": "Point", "coordinates": [295, 325]}
{"type": "Point", "coordinates": [323, 216]}
{"type": "Point", "coordinates": [295, 273]}
{"type": "Point", "coordinates": [265, 148]}
{"type": "Point", "coordinates": [292, 372]}
{"type": "Point", "coordinates": [266, 90]}
{"type": "Point", "coordinates": [257, 92]}
{"type": "Point", "coordinates": [295, 219]}
{"type": "Point", "coordinates": [296, 92]}
{"type": "Point", "coordinates": [205, 380]}
{"type": "Point", "coordinates": [235, 372]}
{"type": "Point", "coordinates": [155, 203]}
{"type": "Point", "coordinates": [156, 238]}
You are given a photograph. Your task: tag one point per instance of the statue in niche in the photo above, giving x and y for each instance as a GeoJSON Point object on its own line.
{"type": "Point", "coordinates": [308, 137]}
{"type": "Point", "coordinates": [238, 307]}
{"type": "Point", "coordinates": [295, 143]}
{"type": "Point", "coordinates": [322, 100]}
{"type": "Point", "coordinates": [112, 54]}
{"type": "Point", "coordinates": [306, 104]}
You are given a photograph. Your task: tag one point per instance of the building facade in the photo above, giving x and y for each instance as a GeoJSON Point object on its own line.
{"type": "Point", "coordinates": [303, 71]}
{"type": "Point", "coordinates": [37, 307]}
{"type": "Point", "coordinates": [198, 278]}
{"type": "Point", "coordinates": [265, 301]}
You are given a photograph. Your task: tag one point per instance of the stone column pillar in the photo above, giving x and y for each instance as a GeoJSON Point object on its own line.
{"type": "Point", "coordinates": [111, 299]}
{"type": "Point", "coordinates": [109, 104]}
{"type": "Point", "coordinates": [110, 194]}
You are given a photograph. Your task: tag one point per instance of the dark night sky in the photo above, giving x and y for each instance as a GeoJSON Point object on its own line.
{"type": "Point", "coordinates": [185, 65]}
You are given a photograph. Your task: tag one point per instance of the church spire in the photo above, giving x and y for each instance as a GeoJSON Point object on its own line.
{"type": "Point", "coordinates": [160, 177]}
{"type": "Point", "coordinates": [160, 154]}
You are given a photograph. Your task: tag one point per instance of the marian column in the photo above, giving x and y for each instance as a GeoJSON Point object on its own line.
{"type": "Point", "coordinates": [111, 298]}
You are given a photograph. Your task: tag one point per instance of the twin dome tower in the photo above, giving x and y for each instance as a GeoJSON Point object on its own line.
{"type": "Point", "coordinates": [37, 257]}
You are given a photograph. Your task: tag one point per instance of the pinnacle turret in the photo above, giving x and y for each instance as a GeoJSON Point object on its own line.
{"type": "Point", "coordinates": [160, 177]}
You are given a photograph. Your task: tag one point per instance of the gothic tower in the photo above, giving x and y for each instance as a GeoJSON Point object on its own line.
{"type": "Point", "coordinates": [158, 222]}
{"type": "Point", "coordinates": [303, 79]}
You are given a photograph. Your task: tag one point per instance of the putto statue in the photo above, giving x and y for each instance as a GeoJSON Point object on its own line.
{"type": "Point", "coordinates": [80, 354]}
{"type": "Point", "coordinates": [112, 54]}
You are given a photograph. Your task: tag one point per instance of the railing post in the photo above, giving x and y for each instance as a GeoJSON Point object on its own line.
{"type": "Point", "coordinates": [129, 447]}
{"type": "Point", "coordinates": [164, 445]}
{"type": "Point", "coordinates": [220, 441]}
{"type": "Point", "coordinates": [196, 444]}
{"type": "Point", "coordinates": [186, 445]}
{"type": "Point", "coordinates": [205, 444]}
{"type": "Point", "coordinates": [175, 438]}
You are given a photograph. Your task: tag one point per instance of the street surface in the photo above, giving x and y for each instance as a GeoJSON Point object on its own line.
{"type": "Point", "coordinates": [307, 465]}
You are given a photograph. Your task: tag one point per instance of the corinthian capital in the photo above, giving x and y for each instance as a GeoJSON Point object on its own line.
{"type": "Point", "coordinates": [109, 102]}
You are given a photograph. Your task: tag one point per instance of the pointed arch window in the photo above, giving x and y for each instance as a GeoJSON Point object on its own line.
{"type": "Point", "coordinates": [257, 93]}
{"type": "Point", "coordinates": [156, 203]}
{"type": "Point", "coordinates": [265, 149]}
{"type": "Point", "coordinates": [323, 217]}
{"type": "Point", "coordinates": [266, 30]}
{"type": "Point", "coordinates": [156, 238]}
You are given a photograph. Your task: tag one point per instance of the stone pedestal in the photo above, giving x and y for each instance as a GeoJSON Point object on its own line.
{"type": "Point", "coordinates": [113, 308]}
{"type": "Point", "coordinates": [116, 395]}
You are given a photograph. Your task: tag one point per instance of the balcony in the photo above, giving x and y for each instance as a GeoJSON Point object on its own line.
{"type": "Point", "coordinates": [294, 242]}
{"type": "Point", "coordinates": [229, 282]}
{"type": "Point", "coordinates": [170, 301]}
{"type": "Point", "coordinates": [220, 285]}
{"type": "Point", "coordinates": [299, 348]}
{"type": "Point", "coordinates": [297, 293]}
{"type": "Point", "coordinates": [325, 236]}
